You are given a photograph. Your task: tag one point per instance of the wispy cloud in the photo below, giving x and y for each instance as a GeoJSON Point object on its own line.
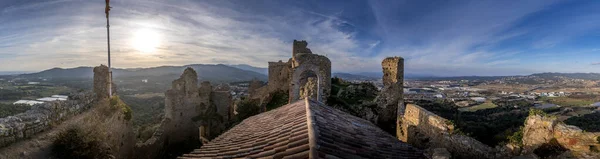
{"type": "Point", "coordinates": [597, 63]}
{"type": "Point", "coordinates": [451, 38]}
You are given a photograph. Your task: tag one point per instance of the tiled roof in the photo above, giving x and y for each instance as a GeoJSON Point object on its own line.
{"type": "Point", "coordinates": [305, 129]}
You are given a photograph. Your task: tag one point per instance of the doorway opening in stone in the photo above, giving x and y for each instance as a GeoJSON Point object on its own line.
{"type": "Point", "coordinates": [309, 85]}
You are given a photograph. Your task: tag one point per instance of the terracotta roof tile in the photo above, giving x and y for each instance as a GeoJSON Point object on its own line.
{"type": "Point", "coordinates": [305, 129]}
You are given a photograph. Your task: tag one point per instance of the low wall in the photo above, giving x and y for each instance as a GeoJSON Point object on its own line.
{"type": "Point", "coordinates": [424, 129]}
{"type": "Point", "coordinates": [41, 117]}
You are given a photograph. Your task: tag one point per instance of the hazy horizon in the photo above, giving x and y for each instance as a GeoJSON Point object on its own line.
{"type": "Point", "coordinates": [441, 38]}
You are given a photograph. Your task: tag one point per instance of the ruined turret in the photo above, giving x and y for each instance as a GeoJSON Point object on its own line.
{"type": "Point", "coordinates": [390, 100]}
{"type": "Point", "coordinates": [182, 103]}
{"type": "Point", "coordinates": [101, 82]}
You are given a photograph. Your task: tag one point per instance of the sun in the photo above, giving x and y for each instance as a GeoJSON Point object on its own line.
{"type": "Point", "coordinates": [146, 40]}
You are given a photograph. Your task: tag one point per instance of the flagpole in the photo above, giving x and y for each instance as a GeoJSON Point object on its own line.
{"type": "Point", "coordinates": [108, 41]}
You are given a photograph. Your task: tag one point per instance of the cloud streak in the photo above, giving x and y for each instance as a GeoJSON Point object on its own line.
{"type": "Point", "coordinates": [450, 38]}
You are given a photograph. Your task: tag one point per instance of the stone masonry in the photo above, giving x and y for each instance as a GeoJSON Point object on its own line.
{"type": "Point", "coordinates": [291, 76]}
{"type": "Point", "coordinates": [41, 117]}
{"type": "Point", "coordinates": [304, 61]}
{"type": "Point", "coordinates": [390, 103]}
{"type": "Point", "coordinates": [182, 103]}
{"type": "Point", "coordinates": [101, 79]}
{"type": "Point", "coordinates": [188, 109]}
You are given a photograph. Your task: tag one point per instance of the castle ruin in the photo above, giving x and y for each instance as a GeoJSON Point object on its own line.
{"type": "Point", "coordinates": [188, 108]}
{"type": "Point", "coordinates": [292, 76]}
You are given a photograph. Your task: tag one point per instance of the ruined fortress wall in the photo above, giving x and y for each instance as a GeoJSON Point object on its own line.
{"type": "Point", "coordinates": [393, 71]}
{"type": "Point", "coordinates": [319, 65]}
{"type": "Point", "coordinates": [540, 130]}
{"type": "Point", "coordinates": [101, 81]}
{"type": "Point", "coordinates": [41, 117]}
{"type": "Point", "coordinates": [182, 103]}
{"type": "Point", "coordinates": [424, 129]}
{"type": "Point", "coordinates": [222, 101]}
{"type": "Point", "coordinates": [187, 107]}
{"type": "Point", "coordinates": [279, 76]}
{"type": "Point", "coordinates": [300, 47]}
{"type": "Point", "coordinates": [390, 102]}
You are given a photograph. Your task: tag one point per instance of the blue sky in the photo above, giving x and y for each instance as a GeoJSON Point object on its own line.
{"type": "Point", "coordinates": [445, 38]}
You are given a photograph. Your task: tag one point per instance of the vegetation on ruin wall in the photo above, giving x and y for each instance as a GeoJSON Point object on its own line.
{"type": "Point", "coordinates": [517, 137]}
{"type": "Point", "coordinates": [76, 142]}
{"type": "Point", "coordinates": [149, 112]}
{"type": "Point", "coordinates": [278, 99]}
{"type": "Point", "coordinates": [588, 122]}
{"type": "Point", "coordinates": [12, 109]}
{"type": "Point", "coordinates": [246, 108]}
{"type": "Point", "coordinates": [350, 97]}
{"type": "Point", "coordinates": [116, 103]}
{"type": "Point", "coordinates": [489, 126]}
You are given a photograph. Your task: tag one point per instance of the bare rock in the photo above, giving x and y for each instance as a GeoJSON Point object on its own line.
{"type": "Point", "coordinates": [441, 153]}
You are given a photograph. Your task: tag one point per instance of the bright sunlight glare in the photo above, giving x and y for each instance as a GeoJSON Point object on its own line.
{"type": "Point", "coordinates": [145, 40]}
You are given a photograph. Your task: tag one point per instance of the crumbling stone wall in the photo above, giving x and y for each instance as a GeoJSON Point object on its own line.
{"type": "Point", "coordinates": [541, 130]}
{"type": "Point", "coordinates": [424, 129]}
{"type": "Point", "coordinates": [222, 100]}
{"type": "Point", "coordinates": [279, 76]}
{"type": "Point", "coordinates": [182, 103]}
{"type": "Point", "coordinates": [390, 103]}
{"type": "Point", "coordinates": [310, 89]}
{"type": "Point", "coordinates": [254, 86]}
{"type": "Point", "coordinates": [41, 117]}
{"type": "Point", "coordinates": [318, 64]}
{"type": "Point", "coordinates": [204, 93]}
{"type": "Point", "coordinates": [188, 109]}
{"type": "Point", "coordinates": [300, 47]}
{"type": "Point", "coordinates": [101, 82]}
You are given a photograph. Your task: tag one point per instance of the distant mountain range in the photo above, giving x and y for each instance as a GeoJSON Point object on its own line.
{"type": "Point", "coordinates": [217, 72]}
{"type": "Point", "coordinates": [264, 71]}
{"type": "Point", "coordinates": [13, 72]}
{"type": "Point", "coordinates": [243, 72]}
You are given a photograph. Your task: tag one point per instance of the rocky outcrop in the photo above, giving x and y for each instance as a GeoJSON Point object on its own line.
{"type": "Point", "coordinates": [41, 117]}
{"type": "Point", "coordinates": [543, 129]}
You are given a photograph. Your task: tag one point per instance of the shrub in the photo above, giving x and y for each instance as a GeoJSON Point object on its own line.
{"type": "Point", "coordinates": [517, 137]}
{"type": "Point", "coordinates": [246, 108]}
{"type": "Point", "coordinates": [280, 98]}
{"type": "Point", "coordinates": [588, 122]}
{"type": "Point", "coordinates": [540, 112]}
{"type": "Point", "coordinates": [116, 103]}
{"type": "Point", "coordinates": [75, 142]}
{"type": "Point", "coordinates": [12, 109]}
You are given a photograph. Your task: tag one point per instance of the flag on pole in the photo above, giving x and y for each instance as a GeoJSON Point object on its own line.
{"type": "Point", "coordinates": [107, 8]}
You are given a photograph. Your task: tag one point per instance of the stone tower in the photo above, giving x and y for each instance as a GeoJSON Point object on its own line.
{"type": "Point", "coordinates": [101, 80]}
{"type": "Point", "coordinates": [390, 101]}
{"type": "Point", "coordinates": [393, 71]}
{"type": "Point", "coordinates": [300, 47]}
